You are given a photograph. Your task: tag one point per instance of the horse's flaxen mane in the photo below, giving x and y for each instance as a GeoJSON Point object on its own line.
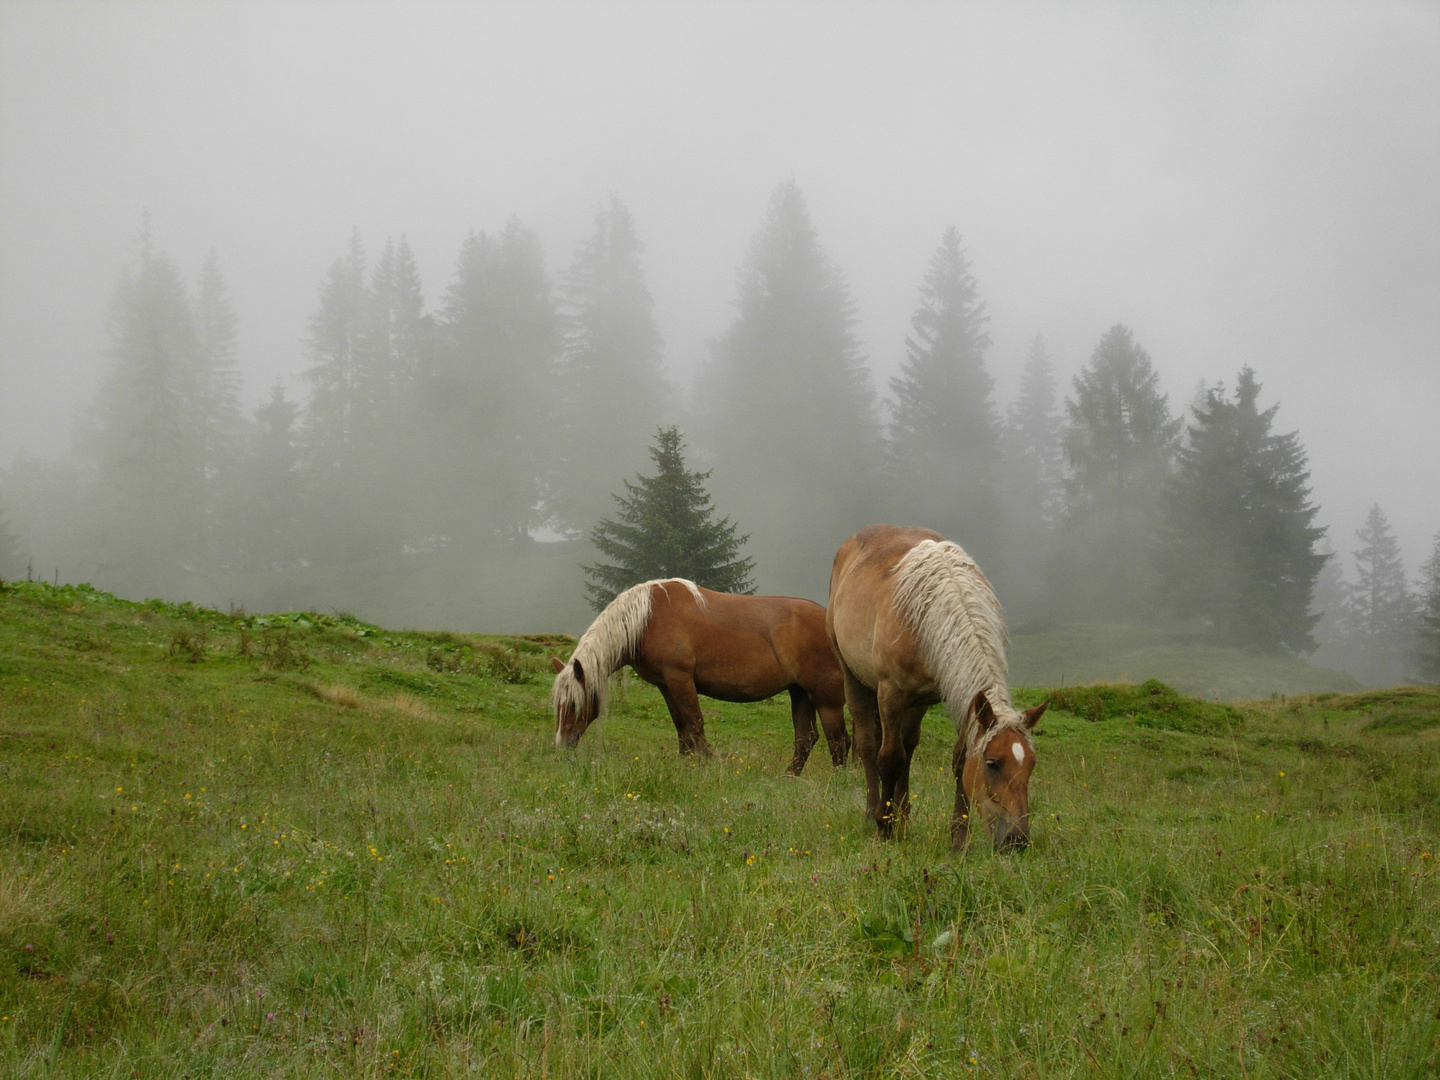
{"type": "Point", "coordinates": [954, 614]}
{"type": "Point", "coordinates": [615, 633]}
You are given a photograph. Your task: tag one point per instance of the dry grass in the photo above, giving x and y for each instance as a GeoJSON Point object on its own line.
{"type": "Point", "coordinates": [411, 706]}
{"type": "Point", "coordinates": [335, 694]}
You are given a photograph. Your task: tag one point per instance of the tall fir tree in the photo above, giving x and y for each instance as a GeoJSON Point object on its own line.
{"type": "Point", "coordinates": [342, 384]}
{"type": "Point", "coordinates": [340, 416]}
{"type": "Point", "coordinates": [944, 449]}
{"type": "Point", "coordinates": [1034, 459]}
{"type": "Point", "coordinates": [789, 404]}
{"type": "Point", "coordinates": [397, 342]}
{"type": "Point", "coordinates": [665, 527]}
{"type": "Point", "coordinates": [216, 423]}
{"type": "Point", "coordinates": [485, 401]}
{"type": "Point", "coordinates": [268, 491]}
{"type": "Point", "coordinates": [612, 382]}
{"type": "Point", "coordinates": [151, 476]}
{"type": "Point", "coordinates": [1380, 607]}
{"type": "Point", "coordinates": [1118, 446]}
{"type": "Point", "coordinates": [1428, 636]}
{"type": "Point", "coordinates": [217, 418]}
{"type": "Point", "coordinates": [12, 559]}
{"type": "Point", "coordinates": [1237, 547]}
{"type": "Point", "coordinates": [1381, 604]}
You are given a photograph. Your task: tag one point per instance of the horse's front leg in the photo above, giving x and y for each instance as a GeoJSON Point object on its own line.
{"type": "Point", "coordinates": [802, 715]}
{"type": "Point", "coordinates": [900, 721]}
{"type": "Point", "coordinates": [865, 715]}
{"type": "Point", "coordinates": [960, 820]}
{"type": "Point", "coordinates": [684, 705]}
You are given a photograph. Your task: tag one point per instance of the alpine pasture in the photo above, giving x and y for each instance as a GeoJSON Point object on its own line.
{"type": "Point", "coordinates": [304, 846]}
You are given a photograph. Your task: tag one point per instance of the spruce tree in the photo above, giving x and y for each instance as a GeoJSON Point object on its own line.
{"type": "Point", "coordinates": [340, 416]}
{"type": "Point", "coordinates": [1118, 446]}
{"type": "Point", "coordinates": [151, 475]}
{"type": "Point", "coordinates": [269, 488]}
{"type": "Point", "coordinates": [1034, 460]}
{"type": "Point", "coordinates": [944, 435]}
{"type": "Point", "coordinates": [611, 380]}
{"type": "Point", "coordinates": [12, 559]}
{"type": "Point", "coordinates": [789, 405]}
{"type": "Point", "coordinates": [664, 528]}
{"type": "Point", "coordinates": [217, 419]}
{"type": "Point", "coordinates": [1381, 614]}
{"type": "Point", "coordinates": [485, 402]}
{"type": "Point", "coordinates": [1237, 543]}
{"type": "Point", "coordinates": [1428, 651]}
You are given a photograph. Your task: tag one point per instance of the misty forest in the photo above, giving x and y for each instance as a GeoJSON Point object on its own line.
{"type": "Point", "coordinates": [456, 464]}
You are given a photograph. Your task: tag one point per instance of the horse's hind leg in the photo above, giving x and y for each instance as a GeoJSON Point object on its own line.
{"type": "Point", "coordinates": [802, 714]}
{"type": "Point", "coordinates": [832, 720]}
{"type": "Point", "coordinates": [684, 705]}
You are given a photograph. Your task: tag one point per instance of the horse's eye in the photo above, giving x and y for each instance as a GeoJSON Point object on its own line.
{"type": "Point", "coordinates": [993, 763]}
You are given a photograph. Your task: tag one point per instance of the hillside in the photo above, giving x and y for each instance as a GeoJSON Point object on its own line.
{"type": "Point", "coordinates": [1102, 653]}
{"type": "Point", "coordinates": [236, 845]}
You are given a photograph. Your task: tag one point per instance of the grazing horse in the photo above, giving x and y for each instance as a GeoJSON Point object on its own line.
{"type": "Point", "coordinates": [914, 622]}
{"type": "Point", "coordinates": [688, 641]}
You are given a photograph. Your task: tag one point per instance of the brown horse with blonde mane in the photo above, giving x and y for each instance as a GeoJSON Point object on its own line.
{"type": "Point", "coordinates": [688, 641]}
{"type": "Point", "coordinates": [914, 623]}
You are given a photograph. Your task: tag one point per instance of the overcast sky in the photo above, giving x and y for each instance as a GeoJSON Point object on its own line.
{"type": "Point", "coordinates": [1240, 184]}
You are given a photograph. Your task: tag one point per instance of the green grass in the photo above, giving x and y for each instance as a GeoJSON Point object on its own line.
{"type": "Point", "coordinates": [354, 852]}
{"type": "Point", "coordinates": [1100, 653]}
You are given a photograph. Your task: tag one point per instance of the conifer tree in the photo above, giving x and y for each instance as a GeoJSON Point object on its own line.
{"type": "Point", "coordinates": [396, 344]}
{"type": "Point", "coordinates": [610, 379]}
{"type": "Point", "coordinates": [340, 418]}
{"type": "Point", "coordinates": [1118, 446]}
{"type": "Point", "coordinates": [150, 472]}
{"type": "Point", "coordinates": [944, 435]}
{"type": "Point", "coordinates": [269, 489]}
{"type": "Point", "coordinates": [12, 560]}
{"type": "Point", "coordinates": [341, 381]}
{"type": "Point", "coordinates": [1034, 459]}
{"type": "Point", "coordinates": [664, 528]}
{"type": "Point", "coordinates": [1237, 543]}
{"type": "Point", "coordinates": [485, 400]}
{"type": "Point", "coordinates": [1380, 601]}
{"type": "Point", "coordinates": [1428, 651]}
{"type": "Point", "coordinates": [789, 404]}
{"type": "Point", "coordinates": [217, 420]}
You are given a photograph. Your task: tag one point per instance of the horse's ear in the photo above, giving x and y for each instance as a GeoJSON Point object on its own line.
{"type": "Point", "coordinates": [557, 664]}
{"type": "Point", "coordinates": [1032, 716]}
{"type": "Point", "coordinates": [983, 713]}
{"type": "Point", "coordinates": [579, 672]}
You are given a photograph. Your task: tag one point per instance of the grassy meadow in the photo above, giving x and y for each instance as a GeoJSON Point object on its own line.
{"type": "Point", "coordinates": [304, 846]}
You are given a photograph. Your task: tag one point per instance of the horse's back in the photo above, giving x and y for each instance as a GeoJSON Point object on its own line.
{"type": "Point", "coordinates": [865, 627]}
{"type": "Point", "coordinates": [738, 646]}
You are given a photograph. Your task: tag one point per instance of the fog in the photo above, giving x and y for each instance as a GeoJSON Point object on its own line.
{"type": "Point", "coordinates": [1239, 185]}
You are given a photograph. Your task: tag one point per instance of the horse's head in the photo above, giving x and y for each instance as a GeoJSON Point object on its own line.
{"type": "Point", "coordinates": [576, 698]}
{"type": "Point", "coordinates": [997, 779]}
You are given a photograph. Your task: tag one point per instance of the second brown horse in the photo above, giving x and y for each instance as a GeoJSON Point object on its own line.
{"type": "Point", "coordinates": [689, 641]}
{"type": "Point", "coordinates": [914, 622]}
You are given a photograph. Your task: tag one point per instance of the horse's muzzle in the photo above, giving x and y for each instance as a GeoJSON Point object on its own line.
{"type": "Point", "coordinates": [1010, 838]}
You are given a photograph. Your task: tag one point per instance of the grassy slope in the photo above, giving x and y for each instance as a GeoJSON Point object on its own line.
{"type": "Point", "coordinates": [371, 867]}
{"type": "Point", "coordinates": [1082, 654]}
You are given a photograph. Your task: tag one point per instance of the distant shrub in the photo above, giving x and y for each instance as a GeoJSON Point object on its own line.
{"type": "Point", "coordinates": [1152, 704]}
{"type": "Point", "coordinates": [506, 665]}
{"type": "Point", "coordinates": [444, 660]}
{"type": "Point", "coordinates": [188, 644]}
{"type": "Point", "coordinates": [279, 653]}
